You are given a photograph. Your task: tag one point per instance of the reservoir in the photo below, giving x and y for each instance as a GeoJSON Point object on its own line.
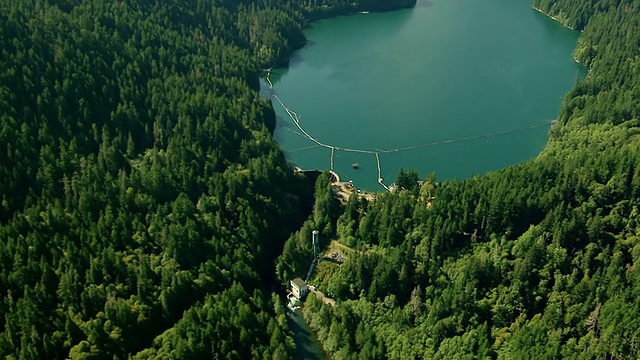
{"type": "Point", "coordinates": [459, 87]}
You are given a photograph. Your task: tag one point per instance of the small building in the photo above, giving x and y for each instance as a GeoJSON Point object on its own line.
{"type": "Point", "coordinates": [299, 288]}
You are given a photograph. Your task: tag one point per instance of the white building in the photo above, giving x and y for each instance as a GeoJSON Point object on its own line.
{"type": "Point", "coordinates": [299, 288]}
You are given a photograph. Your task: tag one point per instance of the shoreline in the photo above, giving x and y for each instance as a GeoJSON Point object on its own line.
{"type": "Point", "coordinates": [308, 21]}
{"type": "Point", "coordinates": [374, 151]}
{"type": "Point", "coordinates": [566, 26]}
{"type": "Point", "coordinates": [553, 18]}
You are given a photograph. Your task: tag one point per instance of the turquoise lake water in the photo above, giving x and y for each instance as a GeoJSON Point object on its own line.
{"type": "Point", "coordinates": [458, 87]}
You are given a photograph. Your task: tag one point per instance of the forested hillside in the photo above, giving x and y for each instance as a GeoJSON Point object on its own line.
{"type": "Point", "coordinates": [536, 261]}
{"type": "Point", "coordinates": [143, 199]}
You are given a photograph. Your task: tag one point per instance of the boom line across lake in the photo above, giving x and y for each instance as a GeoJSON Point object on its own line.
{"type": "Point", "coordinates": [295, 118]}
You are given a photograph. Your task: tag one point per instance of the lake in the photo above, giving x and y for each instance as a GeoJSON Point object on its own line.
{"type": "Point", "coordinates": [459, 87]}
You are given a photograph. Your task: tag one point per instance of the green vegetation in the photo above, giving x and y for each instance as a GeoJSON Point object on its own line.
{"type": "Point", "coordinates": [539, 260]}
{"type": "Point", "coordinates": [145, 204]}
{"type": "Point", "coordinates": [143, 200]}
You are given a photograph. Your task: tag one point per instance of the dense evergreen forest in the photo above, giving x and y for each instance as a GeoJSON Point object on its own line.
{"type": "Point", "coordinates": [145, 206]}
{"type": "Point", "coordinates": [536, 261]}
{"type": "Point", "coordinates": [143, 199]}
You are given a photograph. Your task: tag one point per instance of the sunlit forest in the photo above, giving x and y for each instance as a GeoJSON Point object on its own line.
{"type": "Point", "coordinates": [147, 212]}
{"type": "Point", "coordinates": [536, 261]}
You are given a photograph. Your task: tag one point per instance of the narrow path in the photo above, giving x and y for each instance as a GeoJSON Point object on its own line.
{"type": "Point", "coordinates": [380, 174]}
{"type": "Point", "coordinates": [332, 151]}
{"type": "Point", "coordinates": [325, 299]}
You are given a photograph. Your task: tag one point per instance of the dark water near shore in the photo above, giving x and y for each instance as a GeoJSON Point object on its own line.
{"type": "Point", "coordinates": [474, 84]}
{"type": "Point", "coordinates": [307, 345]}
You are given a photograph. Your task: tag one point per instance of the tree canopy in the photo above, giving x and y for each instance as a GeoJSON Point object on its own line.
{"type": "Point", "coordinates": [538, 260]}
{"type": "Point", "coordinates": [145, 207]}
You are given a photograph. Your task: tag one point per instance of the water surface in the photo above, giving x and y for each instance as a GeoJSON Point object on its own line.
{"type": "Point", "coordinates": [307, 345]}
{"type": "Point", "coordinates": [470, 85]}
